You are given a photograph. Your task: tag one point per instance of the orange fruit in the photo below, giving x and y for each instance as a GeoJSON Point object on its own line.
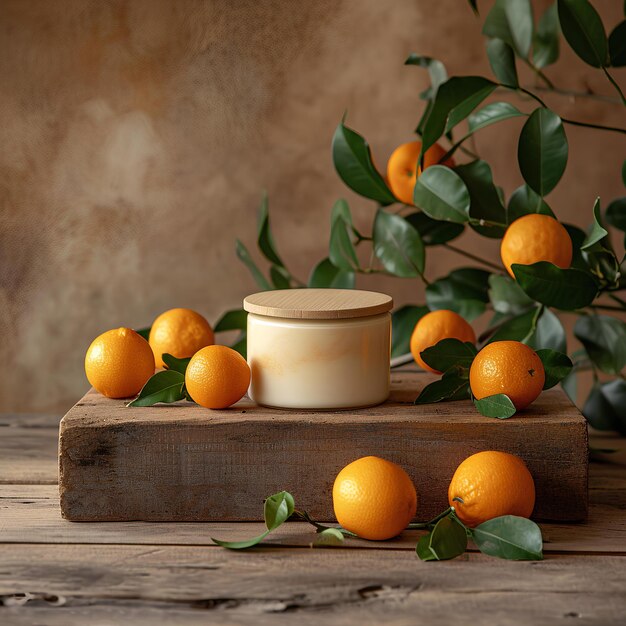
{"type": "Point", "coordinates": [217, 376]}
{"type": "Point", "coordinates": [374, 498]}
{"type": "Point", "coordinates": [533, 238]}
{"type": "Point", "coordinates": [118, 363]}
{"type": "Point", "coordinates": [402, 169]}
{"type": "Point", "coordinates": [434, 327]}
{"type": "Point", "coordinates": [508, 367]}
{"type": "Point", "coordinates": [491, 484]}
{"type": "Point", "coordinates": [179, 332]}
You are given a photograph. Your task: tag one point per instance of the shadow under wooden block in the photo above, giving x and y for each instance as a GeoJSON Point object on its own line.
{"type": "Point", "coordinates": [182, 462]}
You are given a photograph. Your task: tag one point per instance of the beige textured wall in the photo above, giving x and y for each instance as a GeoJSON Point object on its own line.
{"type": "Point", "coordinates": [137, 136]}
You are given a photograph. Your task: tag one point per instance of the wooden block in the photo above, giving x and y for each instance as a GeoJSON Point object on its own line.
{"type": "Point", "coordinates": [185, 463]}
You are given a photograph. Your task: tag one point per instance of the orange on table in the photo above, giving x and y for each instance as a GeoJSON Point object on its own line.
{"type": "Point", "coordinates": [533, 238]}
{"type": "Point", "coordinates": [374, 498]}
{"type": "Point", "coordinates": [508, 367]}
{"type": "Point", "coordinates": [118, 363]}
{"type": "Point", "coordinates": [179, 332]}
{"type": "Point", "coordinates": [402, 169]}
{"type": "Point", "coordinates": [491, 484]}
{"type": "Point", "coordinates": [434, 327]}
{"type": "Point", "coordinates": [217, 376]}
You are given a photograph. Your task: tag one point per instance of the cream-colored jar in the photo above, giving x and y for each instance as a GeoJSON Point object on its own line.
{"type": "Point", "coordinates": [319, 348]}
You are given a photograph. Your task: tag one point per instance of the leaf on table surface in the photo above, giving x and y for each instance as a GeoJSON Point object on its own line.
{"type": "Point", "coordinates": [452, 386]}
{"type": "Point", "coordinates": [175, 364]}
{"type": "Point", "coordinates": [447, 540]}
{"type": "Point", "coordinates": [328, 537]}
{"type": "Point", "coordinates": [509, 537]}
{"type": "Point", "coordinates": [498, 405]}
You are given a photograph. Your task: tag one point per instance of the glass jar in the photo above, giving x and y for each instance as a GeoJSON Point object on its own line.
{"type": "Point", "coordinates": [319, 348]}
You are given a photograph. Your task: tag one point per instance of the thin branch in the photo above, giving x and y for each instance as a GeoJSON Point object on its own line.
{"type": "Point", "coordinates": [473, 257]}
{"type": "Point", "coordinates": [589, 95]}
{"type": "Point", "coordinates": [614, 83]}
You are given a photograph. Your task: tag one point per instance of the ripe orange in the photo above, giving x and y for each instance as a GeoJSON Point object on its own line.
{"type": "Point", "coordinates": [434, 327]}
{"type": "Point", "coordinates": [533, 238]}
{"type": "Point", "coordinates": [374, 498]}
{"type": "Point", "coordinates": [118, 363]}
{"type": "Point", "coordinates": [508, 367]}
{"type": "Point", "coordinates": [402, 170]}
{"type": "Point", "coordinates": [491, 484]}
{"type": "Point", "coordinates": [217, 377]}
{"type": "Point", "coordinates": [179, 332]}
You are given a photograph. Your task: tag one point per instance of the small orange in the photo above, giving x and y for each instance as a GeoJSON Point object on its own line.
{"type": "Point", "coordinates": [434, 327]}
{"type": "Point", "coordinates": [533, 238]}
{"type": "Point", "coordinates": [491, 484]}
{"type": "Point", "coordinates": [179, 332]}
{"type": "Point", "coordinates": [402, 169]}
{"type": "Point", "coordinates": [118, 363]}
{"type": "Point", "coordinates": [508, 367]}
{"type": "Point", "coordinates": [374, 498]}
{"type": "Point", "coordinates": [217, 376]}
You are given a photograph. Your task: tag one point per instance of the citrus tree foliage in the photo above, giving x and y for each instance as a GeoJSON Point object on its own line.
{"type": "Point", "coordinates": [449, 200]}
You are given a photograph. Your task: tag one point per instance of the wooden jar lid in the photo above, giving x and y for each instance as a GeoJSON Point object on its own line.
{"type": "Point", "coordinates": [318, 304]}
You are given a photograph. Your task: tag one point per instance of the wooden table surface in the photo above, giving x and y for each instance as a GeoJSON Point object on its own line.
{"type": "Point", "coordinates": [54, 572]}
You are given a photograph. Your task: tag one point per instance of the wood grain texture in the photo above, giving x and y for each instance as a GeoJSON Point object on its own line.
{"type": "Point", "coordinates": [263, 586]}
{"type": "Point", "coordinates": [185, 463]}
{"type": "Point", "coordinates": [318, 304]}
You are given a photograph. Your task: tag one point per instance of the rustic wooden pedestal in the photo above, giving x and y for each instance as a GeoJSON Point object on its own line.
{"type": "Point", "coordinates": [184, 463]}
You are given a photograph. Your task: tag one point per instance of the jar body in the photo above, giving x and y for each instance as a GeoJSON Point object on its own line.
{"type": "Point", "coordinates": [319, 364]}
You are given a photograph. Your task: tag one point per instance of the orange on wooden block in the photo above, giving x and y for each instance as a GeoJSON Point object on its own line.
{"type": "Point", "coordinates": [118, 363]}
{"type": "Point", "coordinates": [508, 367]}
{"type": "Point", "coordinates": [533, 238]}
{"type": "Point", "coordinates": [217, 376]}
{"type": "Point", "coordinates": [434, 327]}
{"type": "Point", "coordinates": [179, 332]}
{"type": "Point", "coordinates": [374, 498]}
{"type": "Point", "coordinates": [491, 484]}
{"type": "Point", "coordinates": [402, 168]}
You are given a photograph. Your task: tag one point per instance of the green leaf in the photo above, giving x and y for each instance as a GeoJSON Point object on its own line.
{"type": "Point", "coordinates": [597, 232]}
{"type": "Point", "coordinates": [341, 211]}
{"type": "Point", "coordinates": [434, 232]}
{"type": "Point", "coordinates": [265, 240]}
{"type": "Point", "coordinates": [280, 277]}
{"type": "Point", "coordinates": [449, 353]}
{"type": "Point", "coordinates": [241, 545]}
{"type": "Point", "coordinates": [353, 162]}
{"type": "Point", "coordinates": [524, 201]}
{"type": "Point", "coordinates": [241, 345]}
{"type": "Point", "coordinates": [491, 114]}
{"type": "Point", "coordinates": [341, 250]}
{"type": "Point", "coordinates": [329, 537]}
{"type": "Point", "coordinates": [464, 291]}
{"type": "Point", "coordinates": [577, 235]}
{"type": "Point", "coordinates": [175, 364]}
{"type": "Point", "coordinates": [398, 245]}
{"type": "Point", "coordinates": [546, 39]}
{"type": "Point", "coordinates": [403, 322]}
{"type": "Point", "coordinates": [615, 214]}
{"type": "Point", "coordinates": [235, 319]}
{"type": "Point", "coordinates": [584, 31]}
{"type": "Point", "coordinates": [502, 61]}
{"type": "Point", "coordinates": [244, 256]}
{"type": "Point", "coordinates": [605, 408]}
{"type": "Point", "coordinates": [556, 366]}
{"type": "Point", "coordinates": [617, 45]}
{"type": "Point", "coordinates": [325, 275]}
{"type": "Point", "coordinates": [447, 540]}
{"type": "Point", "coordinates": [442, 194]}
{"type": "Point", "coordinates": [484, 199]}
{"type": "Point", "coordinates": [604, 339]}
{"type": "Point", "coordinates": [278, 509]}
{"type": "Point", "coordinates": [549, 333]}
{"type": "Point", "coordinates": [499, 405]}
{"type": "Point", "coordinates": [624, 172]}
{"type": "Point", "coordinates": [455, 100]}
{"type": "Point", "coordinates": [518, 328]}
{"type": "Point", "coordinates": [436, 69]}
{"type": "Point", "coordinates": [542, 150]}
{"type": "Point", "coordinates": [452, 386]}
{"type": "Point", "coordinates": [511, 21]}
{"type": "Point", "coordinates": [506, 295]}
{"type": "Point", "coordinates": [474, 5]}
{"type": "Point", "coordinates": [601, 261]}
{"type": "Point", "coordinates": [509, 537]}
{"type": "Point", "coordinates": [564, 289]}
{"type": "Point", "coordinates": [144, 332]}
{"type": "Point", "coordinates": [165, 386]}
